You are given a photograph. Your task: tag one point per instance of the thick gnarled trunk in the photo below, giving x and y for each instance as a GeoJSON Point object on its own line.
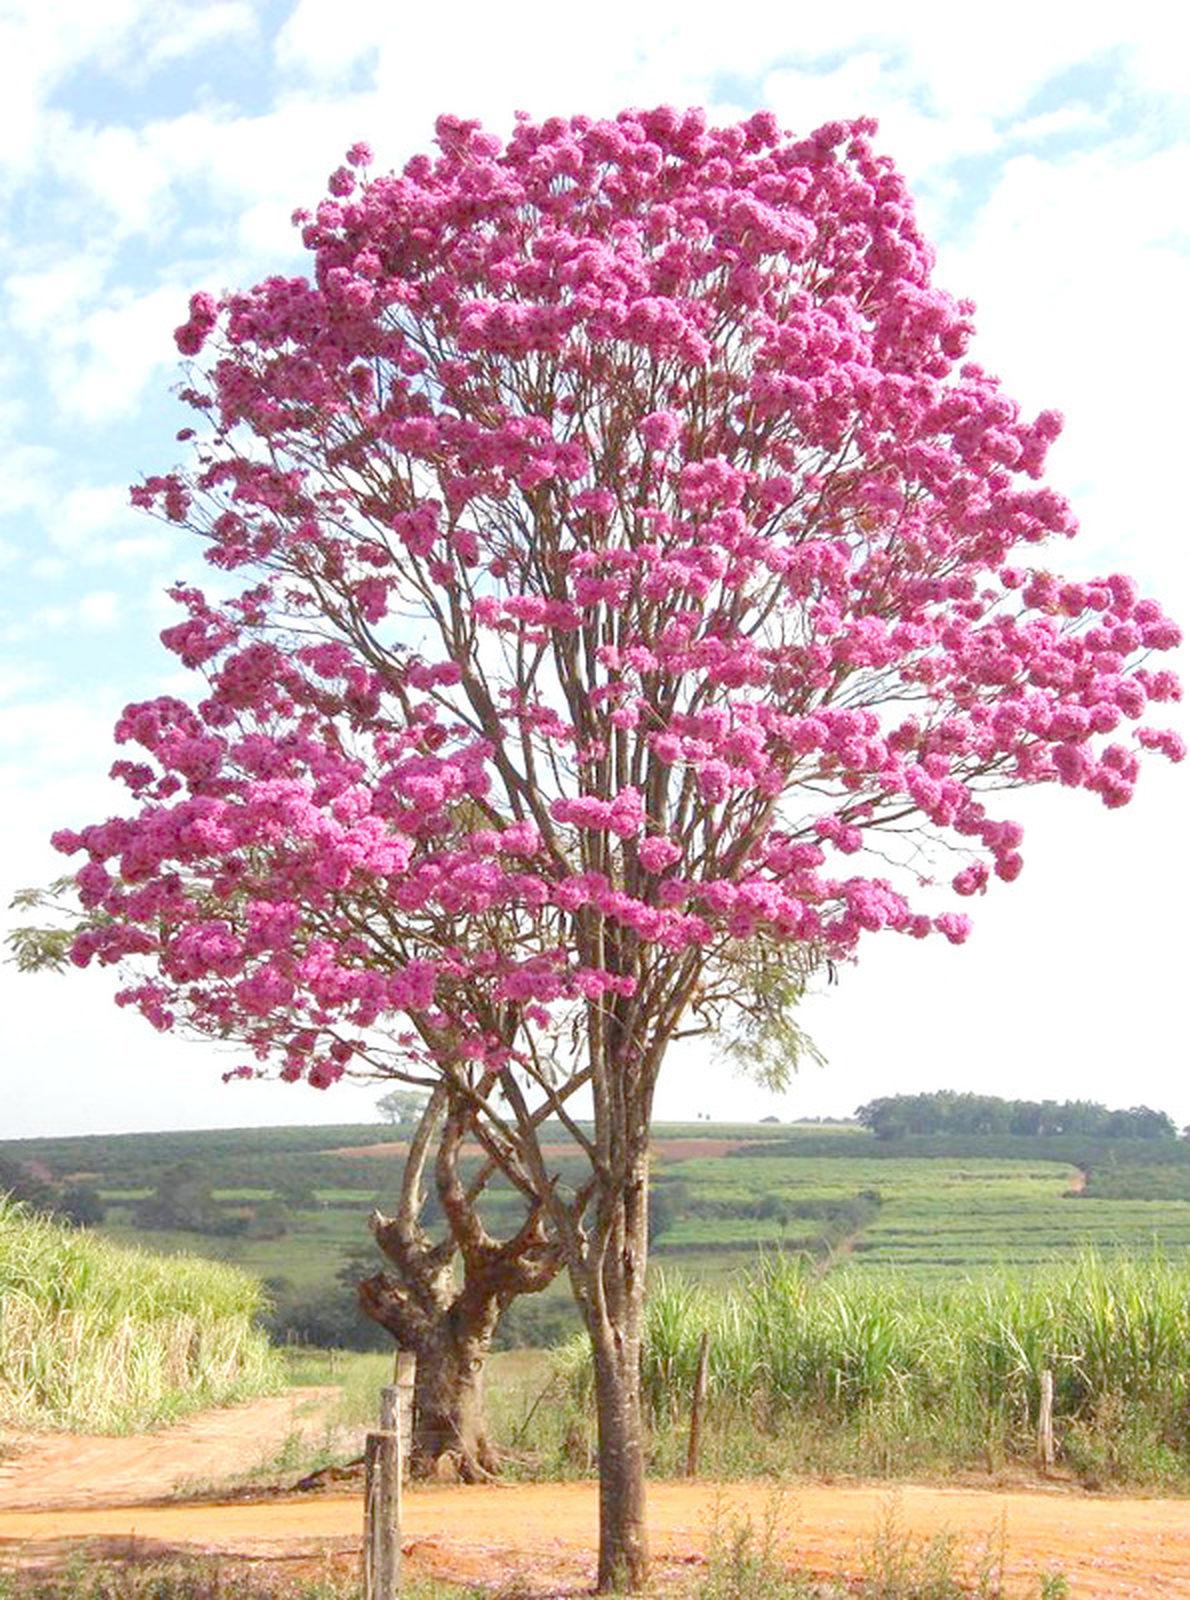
{"type": "Point", "coordinates": [448, 1327]}
{"type": "Point", "coordinates": [450, 1437]}
{"type": "Point", "coordinates": [450, 1343]}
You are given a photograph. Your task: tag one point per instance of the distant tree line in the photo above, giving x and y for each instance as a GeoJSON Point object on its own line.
{"type": "Point", "coordinates": [901, 1116]}
{"type": "Point", "coordinates": [33, 1185]}
{"type": "Point", "coordinates": [184, 1200]}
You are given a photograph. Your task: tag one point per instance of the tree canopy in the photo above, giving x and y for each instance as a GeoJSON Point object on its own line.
{"type": "Point", "coordinates": [948, 1111]}
{"type": "Point", "coordinates": [642, 602]}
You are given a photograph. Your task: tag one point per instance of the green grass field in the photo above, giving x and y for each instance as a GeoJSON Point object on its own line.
{"type": "Point", "coordinates": [929, 1208]}
{"type": "Point", "coordinates": [307, 1257]}
{"type": "Point", "coordinates": [934, 1214]}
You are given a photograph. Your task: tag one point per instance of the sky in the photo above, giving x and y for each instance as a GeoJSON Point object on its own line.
{"type": "Point", "coordinates": [149, 148]}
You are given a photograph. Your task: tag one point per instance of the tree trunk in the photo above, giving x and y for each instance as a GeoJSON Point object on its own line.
{"type": "Point", "coordinates": [623, 1540]}
{"type": "Point", "coordinates": [612, 1295]}
{"type": "Point", "coordinates": [449, 1421]}
{"type": "Point", "coordinates": [450, 1341]}
{"type": "Point", "coordinates": [449, 1328]}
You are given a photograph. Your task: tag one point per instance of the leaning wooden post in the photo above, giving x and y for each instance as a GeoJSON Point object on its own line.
{"type": "Point", "coordinates": [696, 1406]}
{"type": "Point", "coordinates": [382, 1502]}
{"type": "Point", "coordinates": [1045, 1422]}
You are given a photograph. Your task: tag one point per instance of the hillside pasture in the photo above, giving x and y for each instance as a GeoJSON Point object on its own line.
{"type": "Point", "coordinates": [932, 1213]}
{"type": "Point", "coordinates": [723, 1194]}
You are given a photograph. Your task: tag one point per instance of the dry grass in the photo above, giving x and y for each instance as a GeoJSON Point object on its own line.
{"type": "Point", "coordinates": [95, 1337]}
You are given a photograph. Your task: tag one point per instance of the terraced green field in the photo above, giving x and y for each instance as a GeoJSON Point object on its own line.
{"type": "Point", "coordinates": [306, 1258]}
{"type": "Point", "coordinates": [927, 1208]}
{"type": "Point", "coordinates": [990, 1231]}
{"type": "Point", "coordinates": [1137, 1181]}
{"type": "Point", "coordinates": [934, 1214]}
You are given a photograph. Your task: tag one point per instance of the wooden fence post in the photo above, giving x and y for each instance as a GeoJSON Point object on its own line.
{"type": "Point", "coordinates": [382, 1501]}
{"type": "Point", "coordinates": [1045, 1422]}
{"type": "Point", "coordinates": [696, 1406]}
{"type": "Point", "coordinates": [396, 1405]}
{"type": "Point", "coordinates": [390, 1410]}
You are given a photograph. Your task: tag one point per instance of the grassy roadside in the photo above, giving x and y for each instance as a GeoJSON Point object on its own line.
{"type": "Point", "coordinates": [105, 1339]}
{"type": "Point", "coordinates": [856, 1377]}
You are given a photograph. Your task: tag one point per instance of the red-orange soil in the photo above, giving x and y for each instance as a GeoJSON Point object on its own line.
{"type": "Point", "coordinates": [544, 1534]}
{"type": "Point", "coordinates": [58, 1491]}
{"type": "Point", "coordinates": [210, 1449]}
{"type": "Point", "coordinates": [662, 1149]}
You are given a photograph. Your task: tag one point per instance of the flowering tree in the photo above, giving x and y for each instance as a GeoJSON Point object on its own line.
{"type": "Point", "coordinates": [642, 602]}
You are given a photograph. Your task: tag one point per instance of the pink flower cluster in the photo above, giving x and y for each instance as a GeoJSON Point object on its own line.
{"type": "Point", "coordinates": [726, 567]}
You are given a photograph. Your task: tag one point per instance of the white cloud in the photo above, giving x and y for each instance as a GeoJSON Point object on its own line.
{"type": "Point", "coordinates": [1081, 296]}
{"type": "Point", "coordinates": [95, 610]}
{"type": "Point", "coordinates": [64, 736]}
{"type": "Point", "coordinates": [92, 525]}
{"type": "Point", "coordinates": [215, 188]}
{"type": "Point", "coordinates": [136, 551]}
{"type": "Point", "coordinates": [25, 476]}
{"type": "Point", "coordinates": [116, 167]}
{"type": "Point", "coordinates": [86, 511]}
{"type": "Point", "coordinates": [15, 681]}
{"type": "Point", "coordinates": [961, 65]}
{"type": "Point", "coordinates": [45, 298]}
{"type": "Point", "coordinates": [102, 365]}
{"type": "Point", "coordinates": [201, 26]}
{"type": "Point", "coordinates": [99, 609]}
{"type": "Point", "coordinates": [97, 346]}
{"type": "Point", "coordinates": [46, 569]}
{"type": "Point", "coordinates": [1060, 123]}
{"type": "Point", "coordinates": [325, 40]}
{"type": "Point", "coordinates": [43, 41]}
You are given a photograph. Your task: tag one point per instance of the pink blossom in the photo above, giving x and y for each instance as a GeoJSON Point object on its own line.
{"type": "Point", "coordinates": [660, 429]}
{"type": "Point", "coordinates": [657, 853]}
{"type": "Point", "coordinates": [601, 503]}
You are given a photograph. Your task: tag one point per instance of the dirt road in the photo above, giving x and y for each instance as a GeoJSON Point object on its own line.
{"type": "Point", "coordinates": [209, 1449]}
{"type": "Point", "coordinates": [1109, 1549]}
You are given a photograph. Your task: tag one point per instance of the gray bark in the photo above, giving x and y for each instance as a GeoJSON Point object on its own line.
{"type": "Point", "coordinates": [610, 1289]}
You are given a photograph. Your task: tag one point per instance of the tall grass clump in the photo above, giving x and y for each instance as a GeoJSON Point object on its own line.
{"type": "Point", "coordinates": [875, 1373]}
{"type": "Point", "coordinates": [94, 1336]}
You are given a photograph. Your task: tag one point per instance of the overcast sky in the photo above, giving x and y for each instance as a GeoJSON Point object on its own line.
{"type": "Point", "coordinates": [149, 148]}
